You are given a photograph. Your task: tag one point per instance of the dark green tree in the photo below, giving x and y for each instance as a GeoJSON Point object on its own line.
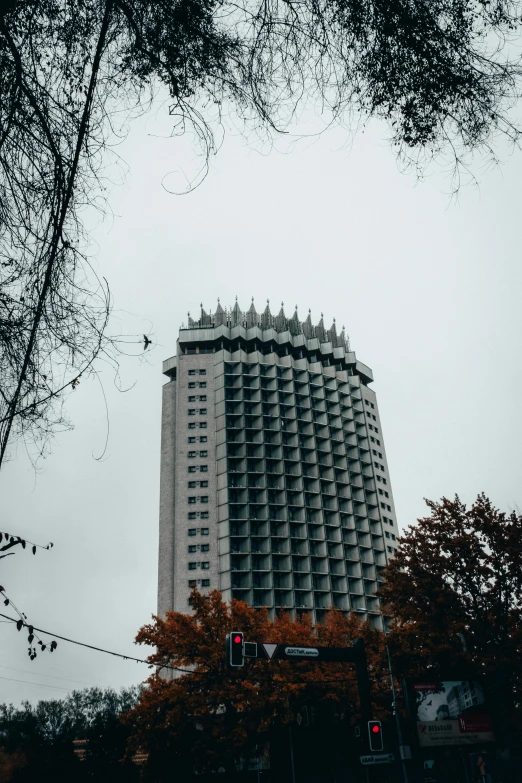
{"type": "Point", "coordinates": [454, 591]}
{"type": "Point", "coordinates": [41, 737]}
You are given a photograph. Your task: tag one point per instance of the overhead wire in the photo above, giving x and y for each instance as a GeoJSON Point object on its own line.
{"type": "Point", "coordinates": [41, 674]}
{"type": "Point", "coordinates": [176, 668]}
{"type": "Point", "coordinates": [38, 684]}
{"type": "Point", "coordinates": [100, 649]}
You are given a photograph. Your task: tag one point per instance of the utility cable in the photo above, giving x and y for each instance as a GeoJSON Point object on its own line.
{"type": "Point", "coordinates": [101, 649]}
{"type": "Point", "coordinates": [38, 684]}
{"type": "Point", "coordinates": [168, 666]}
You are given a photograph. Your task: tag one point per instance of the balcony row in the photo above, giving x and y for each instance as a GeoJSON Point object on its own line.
{"type": "Point", "coordinates": [306, 563]}
{"type": "Point", "coordinates": [352, 516]}
{"type": "Point", "coordinates": [351, 532]}
{"type": "Point", "coordinates": [305, 600]}
{"type": "Point", "coordinates": [260, 549]}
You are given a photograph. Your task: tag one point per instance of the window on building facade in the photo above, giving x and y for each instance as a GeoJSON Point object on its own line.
{"type": "Point", "coordinates": [192, 566]}
{"type": "Point", "coordinates": [192, 485]}
{"type": "Point", "coordinates": [192, 499]}
{"type": "Point", "coordinates": [205, 547]}
{"type": "Point", "coordinates": [205, 565]}
{"type": "Point", "coordinates": [204, 531]}
{"type": "Point", "coordinates": [205, 583]}
{"type": "Point", "coordinates": [203, 483]}
{"type": "Point", "coordinates": [192, 583]}
{"type": "Point", "coordinates": [192, 425]}
{"type": "Point", "coordinates": [203, 385]}
{"type": "Point", "coordinates": [202, 411]}
{"type": "Point", "coordinates": [192, 385]}
{"type": "Point", "coordinates": [192, 548]}
{"type": "Point", "coordinates": [204, 515]}
{"type": "Point", "coordinates": [202, 372]}
{"type": "Point", "coordinates": [203, 425]}
{"type": "Point", "coordinates": [192, 531]}
{"type": "Point", "coordinates": [204, 498]}
{"type": "Point", "coordinates": [203, 438]}
{"type": "Point", "coordinates": [191, 411]}
{"type": "Point", "coordinates": [389, 549]}
{"type": "Point", "coordinates": [191, 372]}
{"type": "Point", "coordinates": [192, 398]}
{"type": "Point", "coordinates": [203, 453]}
{"type": "Point", "coordinates": [191, 468]}
{"type": "Point", "coordinates": [203, 468]}
{"type": "Point", "coordinates": [192, 515]}
{"type": "Point", "coordinates": [192, 453]}
{"type": "Point", "coordinates": [202, 397]}
{"type": "Point", "coordinates": [191, 438]}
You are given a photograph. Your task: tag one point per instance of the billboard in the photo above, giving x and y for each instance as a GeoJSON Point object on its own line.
{"type": "Point", "coordinates": [451, 712]}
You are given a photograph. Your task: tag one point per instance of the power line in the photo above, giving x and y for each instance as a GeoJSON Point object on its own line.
{"type": "Point", "coordinates": [38, 684]}
{"type": "Point", "coordinates": [166, 666]}
{"type": "Point", "coordinates": [99, 649]}
{"type": "Point", "coordinates": [51, 676]}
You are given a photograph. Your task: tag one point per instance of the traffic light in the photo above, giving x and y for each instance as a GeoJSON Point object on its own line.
{"type": "Point", "coordinates": [235, 644]}
{"type": "Point", "coordinates": [375, 735]}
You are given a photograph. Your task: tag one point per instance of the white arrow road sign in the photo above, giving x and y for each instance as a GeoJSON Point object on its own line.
{"type": "Point", "coordinates": [270, 649]}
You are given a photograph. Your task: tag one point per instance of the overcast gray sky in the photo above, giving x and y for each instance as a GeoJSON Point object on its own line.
{"type": "Point", "coordinates": [429, 291]}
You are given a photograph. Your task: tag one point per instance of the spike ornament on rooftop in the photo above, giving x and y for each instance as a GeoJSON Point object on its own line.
{"type": "Point", "coordinates": [233, 316]}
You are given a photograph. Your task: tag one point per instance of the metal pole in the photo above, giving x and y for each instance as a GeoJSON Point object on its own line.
{"type": "Point", "coordinates": [363, 683]}
{"type": "Point", "coordinates": [291, 751]}
{"type": "Point", "coordinates": [397, 718]}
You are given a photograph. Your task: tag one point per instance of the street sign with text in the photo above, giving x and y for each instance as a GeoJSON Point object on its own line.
{"type": "Point", "coordinates": [287, 652]}
{"type": "Point", "coordinates": [384, 758]}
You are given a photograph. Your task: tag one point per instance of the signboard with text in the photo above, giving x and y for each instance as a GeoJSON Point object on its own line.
{"type": "Point", "coordinates": [451, 712]}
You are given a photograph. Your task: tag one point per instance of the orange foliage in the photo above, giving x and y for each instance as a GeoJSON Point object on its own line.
{"type": "Point", "coordinates": [215, 714]}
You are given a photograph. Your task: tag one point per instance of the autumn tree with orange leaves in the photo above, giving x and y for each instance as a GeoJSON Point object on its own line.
{"type": "Point", "coordinates": [454, 590]}
{"type": "Point", "coordinates": [208, 716]}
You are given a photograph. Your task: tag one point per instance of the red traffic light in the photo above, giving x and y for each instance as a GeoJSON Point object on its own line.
{"type": "Point", "coordinates": [375, 736]}
{"type": "Point", "coordinates": [235, 651]}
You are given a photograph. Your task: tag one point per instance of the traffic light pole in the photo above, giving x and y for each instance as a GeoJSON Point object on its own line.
{"type": "Point", "coordinates": [397, 718]}
{"type": "Point", "coordinates": [363, 681]}
{"type": "Point", "coordinates": [238, 649]}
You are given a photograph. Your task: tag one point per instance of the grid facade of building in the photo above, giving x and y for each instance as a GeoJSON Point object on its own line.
{"type": "Point", "coordinates": [275, 486]}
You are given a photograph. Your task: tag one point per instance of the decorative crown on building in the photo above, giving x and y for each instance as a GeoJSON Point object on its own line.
{"type": "Point", "coordinates": [234, 316]}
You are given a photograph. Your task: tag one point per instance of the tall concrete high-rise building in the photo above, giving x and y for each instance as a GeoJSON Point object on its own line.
{"type": "Point", "coordinates": [274, 479]}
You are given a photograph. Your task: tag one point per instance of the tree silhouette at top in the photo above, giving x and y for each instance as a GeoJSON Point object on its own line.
{"type": "Point", "coordinates": [441, 74]}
